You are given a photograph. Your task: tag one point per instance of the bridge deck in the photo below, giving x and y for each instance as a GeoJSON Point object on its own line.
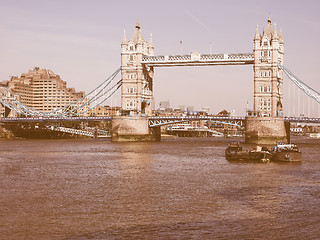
{"type": "Point", "coordinates": [154, 119]}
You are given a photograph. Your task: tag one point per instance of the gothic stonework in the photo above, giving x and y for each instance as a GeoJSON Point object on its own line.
{"type": "Point", "coordinates": [268, 50]}
{"type": "Point", "coordinates": [137, 80]}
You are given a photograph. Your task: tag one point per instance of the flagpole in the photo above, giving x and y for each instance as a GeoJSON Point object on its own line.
{"type": "Point", "coordinates": [180, 47]}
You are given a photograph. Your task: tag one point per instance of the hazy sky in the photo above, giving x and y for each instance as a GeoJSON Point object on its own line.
{"type": "Point", "coordinates": [80, 41]}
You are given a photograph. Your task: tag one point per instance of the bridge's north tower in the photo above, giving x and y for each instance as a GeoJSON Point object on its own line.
{"type": "Point", "coordinates": [268, 50]}
{"type": "Point", "coordinates": [137, 81]}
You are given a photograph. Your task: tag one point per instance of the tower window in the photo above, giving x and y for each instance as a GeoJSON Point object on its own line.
{"type": "Point", "coordinates": [265, 53]}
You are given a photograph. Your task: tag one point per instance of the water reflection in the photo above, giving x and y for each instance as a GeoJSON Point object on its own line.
{"type": "Point", "coordinates": [135, 159]}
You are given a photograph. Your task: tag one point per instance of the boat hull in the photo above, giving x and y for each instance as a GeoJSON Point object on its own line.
{"type": "Point", "coordinates": [249, 156]}
{"type": "Point", "coordinates": [287, 156]}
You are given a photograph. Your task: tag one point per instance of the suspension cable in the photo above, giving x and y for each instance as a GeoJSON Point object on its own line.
{"type": "Point", "coordinates": [304, 87]}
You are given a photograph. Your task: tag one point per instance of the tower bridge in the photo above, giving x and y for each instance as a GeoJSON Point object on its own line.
{"type": "Point", "coordinates": [138, 62]}
{"type": "Point", "coordinates": [137, 74]}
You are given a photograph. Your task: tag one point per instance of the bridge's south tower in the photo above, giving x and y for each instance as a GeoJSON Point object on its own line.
{"type": "Point", "coordinates": [268, 126]}
{"type": "Point", "coordinates": [268, 51]}
{"type": "Point", "coordinates": [137, 82]}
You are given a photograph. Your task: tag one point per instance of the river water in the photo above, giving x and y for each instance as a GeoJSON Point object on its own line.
{"type": "Point", "coordinates": [179, 188]}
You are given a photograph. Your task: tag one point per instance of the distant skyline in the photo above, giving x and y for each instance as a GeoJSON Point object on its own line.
{"type": "Point", "coordinates": [80, 41]}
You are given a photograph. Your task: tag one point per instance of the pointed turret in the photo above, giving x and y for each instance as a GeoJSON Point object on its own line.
{"type": "Point", "coordinates": [151, 47]}
{"type": "Point", "coordinates": [137, 35]}
{"type": "Point", "coordinates": [150, 41]}
{"type": "Point", "coordinates": [140, 36]}
{"type": "Point", "coordinates": [280, 37]}
{"type": "Point", "coordinates": [124, 39]}
{"type": "Point", "coordinates": [268, 31]}
{"type": "Point", "coordinates": [275, 35]}
{"type": "Point", "coordinates": [257, 35]}
{"type": "Point", "coordinates": [137, 24]}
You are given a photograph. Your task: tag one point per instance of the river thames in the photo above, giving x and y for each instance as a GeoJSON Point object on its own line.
{"type": "Point", "coordinates": [179, 188]}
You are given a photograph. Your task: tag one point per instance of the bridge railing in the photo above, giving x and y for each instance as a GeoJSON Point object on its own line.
{"type": "Point", "coordinates": [197, 57]}
{"type": "Point", "coordinates": [211, 56]}
{"type": "Point", "coordinates": [53, 119]}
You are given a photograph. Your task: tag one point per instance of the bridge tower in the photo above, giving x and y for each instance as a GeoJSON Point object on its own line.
{"type": "Point", "coordinates": [268, 50]}
{"type": "Point", "coordinates": [136, 92]}
{"type": "Point", "coordinates": [267, 126]}
{"type": "Point", "coordinates": [137, 81]}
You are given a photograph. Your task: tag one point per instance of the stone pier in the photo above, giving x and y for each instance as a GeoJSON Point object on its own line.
{"type": "Point", "coordinates": [133, 129]}
{"type": "Point", "coordinates": [266, 130]}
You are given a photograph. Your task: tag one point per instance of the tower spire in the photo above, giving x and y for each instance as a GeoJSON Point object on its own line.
{"type": "Point", "coordinates": [150, 41]}
{"type": "Point", "coordinates": [269, 19]}
{"type": "Point", "coordinates": [124, 39]}
{"type": "Point", "coordinates": [275, 35]}
{"type": "Point", "coordinates": [268, 30]}
{"type": "Point", "coordinates": [257, 35]}
{"type": "Point", "coordinates": [137, 24]}
{"type": "Point", "coordinates": [280, 36]}
{"type": "Point", "coordinates": [151, 47]}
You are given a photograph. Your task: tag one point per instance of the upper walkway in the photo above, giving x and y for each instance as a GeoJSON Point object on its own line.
{"type": "Point", "coordinates": [197, 59]}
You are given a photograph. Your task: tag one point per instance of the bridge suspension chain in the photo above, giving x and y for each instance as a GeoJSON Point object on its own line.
{"type": "Point", "coordinates": [304, 87]}
{"type": "Point", "coordinates": [92, 98]}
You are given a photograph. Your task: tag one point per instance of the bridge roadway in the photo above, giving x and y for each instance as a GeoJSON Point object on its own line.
{"type": "Point", "coordinates": [197, 59]}
{"type": "Point", "coordinates": [155, 121]}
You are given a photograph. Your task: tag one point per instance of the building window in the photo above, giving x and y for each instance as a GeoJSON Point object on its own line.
{"type": "Point", "coordinates": [265, 53]}
{"type": "Point", "coordinates": [131, 90]}
{"type": "Point", "coordinates": [130, 104]}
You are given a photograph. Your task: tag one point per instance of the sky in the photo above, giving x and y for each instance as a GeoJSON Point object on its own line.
{"type": "Point", "coordinates": [80, 40]}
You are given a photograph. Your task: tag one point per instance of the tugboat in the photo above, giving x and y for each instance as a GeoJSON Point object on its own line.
{"type": "Point", "coordinates": [286, 153]}
{"type": "Point", "coordinates": [235, 152]}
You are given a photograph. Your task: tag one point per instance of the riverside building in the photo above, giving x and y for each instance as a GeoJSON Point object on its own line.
{"type": "Point", "coordinates": [42, 89]}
